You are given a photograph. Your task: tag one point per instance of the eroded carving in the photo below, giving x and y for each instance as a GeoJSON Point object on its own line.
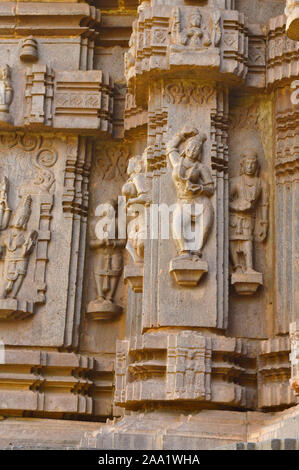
{"type": "Point", "coordinates": [108, 269]}
{"type": "Point", "coordinates": [194, 35]}
{"type": "Point", "coordinates": [195, 186]}
{"type": "Point", "coordinates": [292, 14]}
{"type": "Point", "coordinates": [191, 93]}
{"type": "Point", "coordinates": [16, 247]}
{"type": "Point", "coordinates": [248, 193]}
{"type": "Point", "coordinates": [135, 191]}
{"type": "Point", "coordinates": [29, 50]}
{"type": "Point", "coordinates": [6, 94]}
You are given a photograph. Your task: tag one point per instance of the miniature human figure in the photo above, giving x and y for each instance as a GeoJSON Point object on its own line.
{"type": "Point", "coordinates": [5, 211]}
{"type": "Point", "coordinates": [135, 190]}
{"type": "Point", "coordinates": [6, 93]}
{"type": "Point", "coordinates": [17, 246]}
{"type": "Point", "coordinates": [247, 192]}
{"type": "Point", "coordinates": [195, 186]}
{"type": "Point", "coordinates": [108, 271]}
{"type": "Point", "coordinates": [194, 35]}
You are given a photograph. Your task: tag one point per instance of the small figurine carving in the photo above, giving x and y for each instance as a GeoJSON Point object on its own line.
{"type": "Point", "coordinates": [195, 35]}
{"type": "Point", "coordinates": [29, 51]}
{"type": "Point", "coordinates": [16, 247]}
{"type": "Point", "coordinates": [107, 271]}
{"type": "Point", "coordinates": [248, 193]}
{"type": "Point", "coordinates": [6, 94]}
{"type": "Point", "coordinates": [4, 209]}
{"type": "Point", "coordinates": [195, 187]}
{"type": "Point", "coordinates": [135, 191]}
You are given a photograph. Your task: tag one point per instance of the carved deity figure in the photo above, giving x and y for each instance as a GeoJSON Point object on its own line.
{"type": "Point", "coordinates": [108, 266]}
{"type": "Point", "coordinates": [16, 247]}
{"type": "Point", "coordinates": [195, 186]}
{"type": "Point", "coordinates": [248, 192]}
{"type": "Point", "coordinates": [194, 35]}
{"type": "Point", "coordinates": [5, 211]}
{"type": "Point", "coordinates": [6, 93]}
{"type": "Point", "coordinates": [135, 191]}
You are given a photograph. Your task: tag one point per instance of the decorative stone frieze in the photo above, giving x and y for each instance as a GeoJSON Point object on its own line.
{"type": "Point", "coordinates": [166, 41]}
{"type": "Point", "coordinates": [185, 367]}
{"type": "Point", "coordinates": [274, 372]}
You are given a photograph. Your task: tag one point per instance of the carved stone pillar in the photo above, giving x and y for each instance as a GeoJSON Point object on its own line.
{"type": "Point", "coordinates": [177, 350]}
{"type": "Point", "coordinates": [282, 74]}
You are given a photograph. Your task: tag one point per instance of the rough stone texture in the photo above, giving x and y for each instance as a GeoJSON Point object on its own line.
{"type": "Point", "coordinates": [162, 102]}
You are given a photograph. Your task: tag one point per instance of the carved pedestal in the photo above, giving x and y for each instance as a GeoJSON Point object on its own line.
{"type": "Point", "coordinates": [133, 274]}
{"type": "Point", "coordinates": [13, 309]}
{"type": "Point", "coordinates": [188, 273]}
{"type": "Point", "coordinates": [246, 283]}
{"type": "Point", "coordinates": [103, 310]}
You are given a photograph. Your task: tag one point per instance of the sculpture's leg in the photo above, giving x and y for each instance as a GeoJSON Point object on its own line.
{"type": "Point", "coordinates": [16, 285]}
{"type": "Point", "coordinates": [234, 255]}
{"type": "Point", "coordinates": [99, 284]}
{"type": "Point", "coordinates": [117, 264]}
{"type": "Point", "coordinates": [208, 219]}
{"type": "Point", "coordinates": [248, 253]}
{"type": "Point", "coordinates": [177, 231]}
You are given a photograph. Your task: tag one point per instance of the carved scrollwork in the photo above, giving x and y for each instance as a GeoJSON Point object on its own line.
{"type": "Point", "coordinates": [191, 93]}
{"type": "Point", "coordinates": [26, 177]}
{"type": "Point", "coordinates": [112, 162]}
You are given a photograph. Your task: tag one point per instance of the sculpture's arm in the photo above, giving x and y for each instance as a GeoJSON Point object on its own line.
{"type": "Point", "coordinates": [30, 242]}
{"type": "Point", "coordinates": [207, 181]}
{"type": "Point", "coordinates": [173, 145]}
{"type": "Point", "coordinates": [263, 223]}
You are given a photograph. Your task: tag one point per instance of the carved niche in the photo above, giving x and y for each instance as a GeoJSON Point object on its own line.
{"type": "Point", "coordinates": [195, 29]}
{"type": "Point", "coordinates": [6, 94]}
{"type": "Point", "coordinates": [249, 207]}
{"type": "Point", "coordinates": [27, 184]}
{"type": "Point", "coordinates": [135, 191]}
{"type": "Point", "coordinates": [194, 213]}
{"type": "Point", "coordinates": [108, 267]}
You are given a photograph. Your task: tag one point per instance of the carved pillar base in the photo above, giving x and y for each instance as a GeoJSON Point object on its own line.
{"type": "Point", "coordinates": [133, 274]}
{"type": "Point", "coordinates": [103, 310]}
{"type": "Point", "coordinates": [188, 272]}
{"type": "Point", "coordinates": [13, 309]}
{"type": "Point", "coordinates": [247, 283]}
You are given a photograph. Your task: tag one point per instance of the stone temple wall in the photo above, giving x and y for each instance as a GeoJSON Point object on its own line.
{"type": "Point", "coordinates": [149, 224]}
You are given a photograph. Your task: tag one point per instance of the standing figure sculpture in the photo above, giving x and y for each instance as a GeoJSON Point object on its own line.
{"type": "Point", "coordinates": [248, 193]}
{"type": "Point", "coordinates": [6, 93]}
{"type": "Point", "coordinates": [16, 247]}
{"type": "Point", "coordinates": [107, 270]}
{"type": "Point", "coordinates": [135, 191]}
{"type": "Point", "coordinates": [195, 186]}
{"type": "Point", "coordinates": [193, 215]}
{"type": "Point", "coordinates": [5, 211]}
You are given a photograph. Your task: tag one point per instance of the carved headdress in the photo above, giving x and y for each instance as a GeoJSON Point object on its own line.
{"type": "Point", "coordinates": [22, 213]}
